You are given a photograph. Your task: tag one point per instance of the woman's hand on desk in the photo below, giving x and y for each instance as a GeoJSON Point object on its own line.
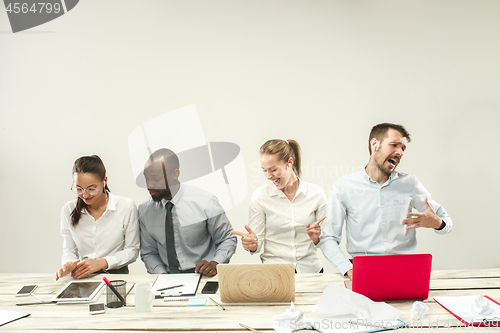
{"type": "Point", "coordinates": [249, 241]}
{"type": "Point", "coordinates": [87, 267]}
{"type": "Point", "coordinates": [314, 230]}
{"type": "Point", "coordinates": [66, 268]}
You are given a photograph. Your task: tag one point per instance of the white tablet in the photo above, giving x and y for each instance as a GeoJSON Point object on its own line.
{"type": "Point", "coordinates": [80, 292]}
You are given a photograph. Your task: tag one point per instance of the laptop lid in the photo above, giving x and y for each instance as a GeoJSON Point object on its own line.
{"type": "Point", "coordinates": [392, 277]}
{"type": "Point", "coordinates": [246, 283]}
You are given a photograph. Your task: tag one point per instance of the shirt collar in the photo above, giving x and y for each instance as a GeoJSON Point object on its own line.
{"type": "Point", "coordinates": [281, 194]}
{"type": "Point", "coordinates": [177, 198]}
{"type": "Point", "coordinates": [394, 175]}
{"type": "Point", "coordinates": [110, 206]}
{"type": "Point", "coordinates": [111, 202]}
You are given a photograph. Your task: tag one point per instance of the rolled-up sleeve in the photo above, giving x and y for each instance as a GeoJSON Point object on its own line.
{"type": "Point", "coordinates": [331, 233]}
{"type": "Point", "coordinates": [418, 203]}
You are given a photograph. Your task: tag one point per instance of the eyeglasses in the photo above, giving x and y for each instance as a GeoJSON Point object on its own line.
{"type": "Point", "coordinates": [79, 191]}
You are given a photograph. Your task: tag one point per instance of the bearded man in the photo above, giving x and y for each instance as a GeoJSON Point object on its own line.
{"type": "Point", "coordinates": [377, 202]}
{"type": "Point", "coordinates": [184, 229]}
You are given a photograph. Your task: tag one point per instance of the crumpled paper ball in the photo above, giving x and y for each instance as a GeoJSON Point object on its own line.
{"type": "Point", "coordinates": [418, 310]}
{"type": "Point", "coordinates": [289, 321]}
{"type": "Point", "coordinates": [481, 306]}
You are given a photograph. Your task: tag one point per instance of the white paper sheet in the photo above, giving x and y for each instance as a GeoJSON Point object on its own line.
{"type": "Point", "coordinates": [189, 281]}
{"type": "Point", "coordinates": [8, 316]}
{"type": "Point", "coordinates": [462, 307]}
{"type": "Point", "coordinates": [339, 301]}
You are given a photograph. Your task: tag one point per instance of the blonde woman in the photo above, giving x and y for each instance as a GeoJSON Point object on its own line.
{"type": "Point", "coordinates": [285, 214]}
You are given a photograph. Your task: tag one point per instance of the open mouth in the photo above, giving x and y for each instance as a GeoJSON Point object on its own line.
{"type": "Point", "coordinates": [393, 162]}
{"type": "Point", "coordinates": [276, 182]}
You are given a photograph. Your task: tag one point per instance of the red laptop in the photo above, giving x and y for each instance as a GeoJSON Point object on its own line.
{"type": "Point", "coordinates": [392, 277]}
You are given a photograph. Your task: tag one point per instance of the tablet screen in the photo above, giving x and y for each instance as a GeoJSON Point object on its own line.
{"type": "Point", "coordinates": [79, 290]}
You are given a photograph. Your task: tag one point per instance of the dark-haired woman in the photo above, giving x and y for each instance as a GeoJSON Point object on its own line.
{"type": "Point", "coordinates": [285, 214]}
{"type": "Point", "coordinates": [100, 230]}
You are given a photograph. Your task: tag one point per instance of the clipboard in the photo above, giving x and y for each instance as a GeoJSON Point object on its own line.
{"type": "Point", "coordinates": [457, 306]}
{"type": "Point", "coordinates": [187, 285]}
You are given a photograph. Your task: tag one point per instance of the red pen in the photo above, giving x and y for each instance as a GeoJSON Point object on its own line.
{"type": "Point", "coordinates": [105, 279]}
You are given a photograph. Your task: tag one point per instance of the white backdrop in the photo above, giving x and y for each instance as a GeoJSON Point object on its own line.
{"type": "Point", "coordinates": [320, 72]}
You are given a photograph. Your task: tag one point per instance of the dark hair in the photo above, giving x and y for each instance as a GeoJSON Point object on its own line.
{"type": "Point", "coordinates": [380, 132]}
{"type": "Point", "coordinates": [87, 164]}
{"type": "Point", "coordinates": [284, 149]}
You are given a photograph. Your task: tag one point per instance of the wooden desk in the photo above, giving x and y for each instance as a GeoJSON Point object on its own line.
{"type": "Point", "coordinates": [175, 316]}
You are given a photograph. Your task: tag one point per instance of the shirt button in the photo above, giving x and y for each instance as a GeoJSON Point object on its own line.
{"type": "Point", "coordinates": [384, 240]}
{"type": "Point", "coordinates": [383, 223]}
{"type": "Point", "coordinates": [382, 206]}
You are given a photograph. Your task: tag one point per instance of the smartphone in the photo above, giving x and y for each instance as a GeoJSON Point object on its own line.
{"type": "Point", "coordinates": [26, 290]}
{"type": "Point", "coordinates": [210, 287]}
{"type": "Point", "coordinates": [96, 308]}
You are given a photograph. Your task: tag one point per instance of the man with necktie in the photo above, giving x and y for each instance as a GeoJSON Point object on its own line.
{"type": "Point", "coordinates": [184, 229]}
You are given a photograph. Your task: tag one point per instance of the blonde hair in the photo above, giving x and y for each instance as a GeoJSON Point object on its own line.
{"type": "Point", "coordinates": [284, 149]}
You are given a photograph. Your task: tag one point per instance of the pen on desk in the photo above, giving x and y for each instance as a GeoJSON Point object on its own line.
{"type": "Point", "coordinates": [180, 285]}
{"type": "Point", "coordinates": [113, 289]}
{"type": "Point", "coordinates": [220, 306]}
{"type": "Point", "coordinates": [36, 303]}
{"type": "Point", "coordinates": [249, 328]}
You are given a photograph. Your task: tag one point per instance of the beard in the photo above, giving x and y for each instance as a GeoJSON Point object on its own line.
{"type": "Point", "coordinates": [383, 169]}
{"type": "Point", "coordinates": [158, 195]}
{"type": "Point", "coordinates": [381, 164]}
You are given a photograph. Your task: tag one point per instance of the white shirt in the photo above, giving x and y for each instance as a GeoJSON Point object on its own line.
{"type": "Point", "coordinates": [373, 216]}
{"type": "Point", "coordinates": [280, 225]}
{"type": "Point", "coordinates": [114, 236]}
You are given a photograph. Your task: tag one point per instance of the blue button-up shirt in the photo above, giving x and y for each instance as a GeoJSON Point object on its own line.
{"type": "Point", "coordinates": [373, 216]}
{"type": "Point", "coordinates": [201, 229]}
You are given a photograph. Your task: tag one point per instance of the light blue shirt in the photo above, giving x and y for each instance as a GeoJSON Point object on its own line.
{"type": "Point", "coordinates": [373, 216]}
{"type": "Point", "coordinates": [202, 230]}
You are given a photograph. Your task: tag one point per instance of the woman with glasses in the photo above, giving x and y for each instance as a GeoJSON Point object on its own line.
{"type": "Point", "coordinates": [100, 230]}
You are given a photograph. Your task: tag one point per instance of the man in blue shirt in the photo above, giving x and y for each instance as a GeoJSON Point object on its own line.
{"type": "Point", "coordinates": [183, 228]}
{"type": "Point", "coordinates": [377, 204]}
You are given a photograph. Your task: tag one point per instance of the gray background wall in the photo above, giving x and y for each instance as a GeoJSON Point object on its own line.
{"type": "Point", "coordinates": [320, 72]}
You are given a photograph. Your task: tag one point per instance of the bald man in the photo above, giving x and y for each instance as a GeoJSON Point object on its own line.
{"type": "Point", "coordinates": [183, 229]}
